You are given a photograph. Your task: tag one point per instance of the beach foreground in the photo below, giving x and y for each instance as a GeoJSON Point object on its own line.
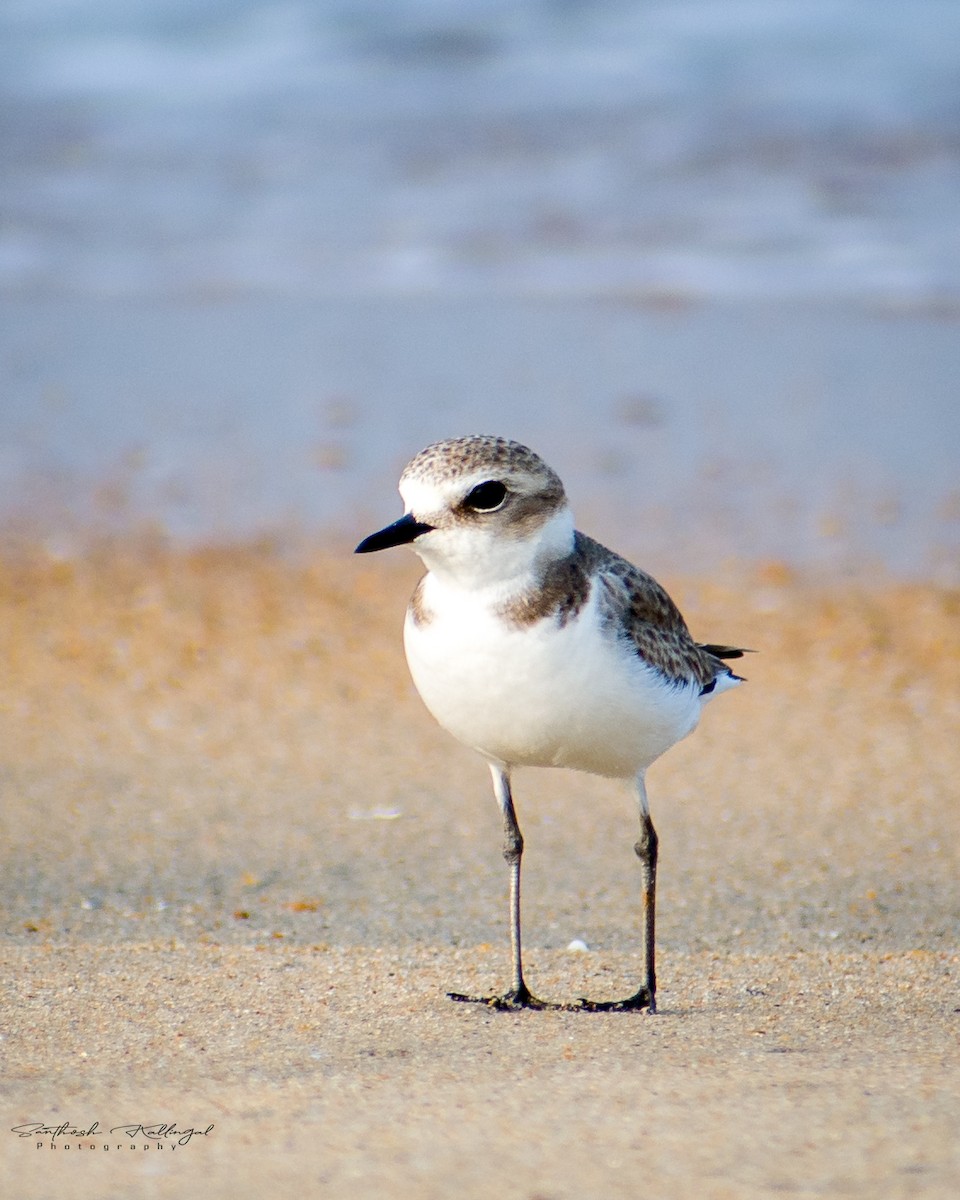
{"type": "Point", "coordinates": [242, 866]}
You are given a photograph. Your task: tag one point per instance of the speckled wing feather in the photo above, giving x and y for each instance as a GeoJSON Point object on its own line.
{"type": "Point", "coordinates": [641, 612]}
{"type": "Point", "coordinates": [632, 605]}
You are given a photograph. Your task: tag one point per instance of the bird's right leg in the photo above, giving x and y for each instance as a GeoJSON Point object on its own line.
{"type": "Point", "coordinates": [519, 995]}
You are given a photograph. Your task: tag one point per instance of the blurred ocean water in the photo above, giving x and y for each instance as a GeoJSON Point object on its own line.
{"type": "Point", "coordinates": [703, 254]}
{"type": "Point", "coordinates": [311, 147]}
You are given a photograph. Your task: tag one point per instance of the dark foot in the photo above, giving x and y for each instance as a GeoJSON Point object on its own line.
{"type": "Point", "coordinates": [522, 997]}
{"type": "Point", "coordinates": [644, 998]}
{"type": "Point", "coordinates": [512, 1001]}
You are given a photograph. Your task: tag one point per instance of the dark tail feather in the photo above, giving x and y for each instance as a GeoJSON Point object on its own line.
{"type": "Point", "coordinates": [725, 651]}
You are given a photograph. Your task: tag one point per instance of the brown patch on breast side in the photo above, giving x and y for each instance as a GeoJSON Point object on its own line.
{"type": "Point", "coordinates": [633, 606]}
{"type": "Point", "coordinates": [418, 609]}
{"type": "Point", "coordinates": [564, 589]}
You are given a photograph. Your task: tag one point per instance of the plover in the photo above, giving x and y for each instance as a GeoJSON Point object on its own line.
{"type": "Point", "coordinates": [536, 646]}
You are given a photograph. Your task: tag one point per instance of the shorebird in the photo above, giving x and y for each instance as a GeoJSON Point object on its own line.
{"type": "Point", "coordinates": [536, 646]}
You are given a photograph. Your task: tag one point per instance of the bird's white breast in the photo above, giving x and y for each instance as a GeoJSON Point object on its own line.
{"type": "Point", "coordinates": [542, 694]}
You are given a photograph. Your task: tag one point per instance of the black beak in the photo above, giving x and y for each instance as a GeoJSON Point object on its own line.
{"type": "Point", "coordinates": [398, 534]}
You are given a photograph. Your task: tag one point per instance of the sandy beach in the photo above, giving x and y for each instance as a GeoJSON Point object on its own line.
{"type": "Point", "coordinates": [242, 866]}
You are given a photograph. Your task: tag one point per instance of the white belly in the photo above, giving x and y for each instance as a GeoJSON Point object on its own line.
{"type": "Point", "coordinates": [540, 695]}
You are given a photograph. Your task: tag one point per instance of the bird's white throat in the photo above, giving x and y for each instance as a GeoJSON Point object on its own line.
{"type": "Point", "coordinates": [486, 557]}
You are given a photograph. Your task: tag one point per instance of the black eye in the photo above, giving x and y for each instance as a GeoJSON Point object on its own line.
{"type": "Point", "coordinates": [486, 496]}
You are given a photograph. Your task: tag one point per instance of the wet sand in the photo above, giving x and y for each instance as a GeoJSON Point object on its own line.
{"type": "Point", "coordinates": [685, 431]}
{"type": "Point", "coordinates": [241, 867]}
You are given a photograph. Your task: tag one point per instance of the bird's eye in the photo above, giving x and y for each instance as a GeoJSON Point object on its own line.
{"type": "Point", "coordinates": [485, 497]}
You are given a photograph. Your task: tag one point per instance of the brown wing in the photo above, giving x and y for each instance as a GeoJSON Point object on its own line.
{"type": "Point", "coordinates": [641, 611]}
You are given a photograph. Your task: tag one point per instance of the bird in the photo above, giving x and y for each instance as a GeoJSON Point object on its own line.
{"type": "Point", "coordinates": [536, 646]}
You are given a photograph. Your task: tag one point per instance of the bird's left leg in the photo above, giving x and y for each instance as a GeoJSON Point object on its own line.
{"type": "Point", "coordinates": [646, 851]}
